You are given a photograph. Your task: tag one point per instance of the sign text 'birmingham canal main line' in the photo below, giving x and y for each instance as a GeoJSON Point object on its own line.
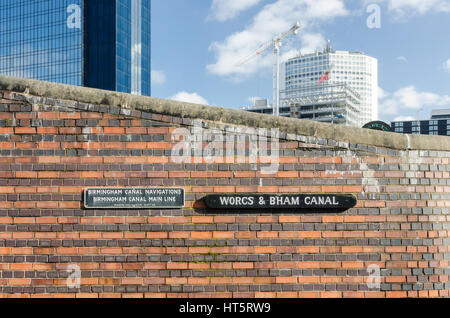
{"type": "Point", "coordinates": [134, 198]}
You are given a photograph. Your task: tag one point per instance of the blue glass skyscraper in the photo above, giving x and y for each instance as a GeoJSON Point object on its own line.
{"type": "Point", "coordinates": [95, 43]}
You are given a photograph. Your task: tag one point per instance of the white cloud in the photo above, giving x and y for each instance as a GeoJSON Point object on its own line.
{"type": "Point", "coordinates": [193, 98]}
{"type": "Point", "coordinates": [158, 77]}
{"type": "Point", "coordinates": [312, 42]}
{"type": "Point", "coordinates": [381, 93]}
{"type": "Point", "coordinates": [404, 118]}
{"type": "Point", "coordinates": [402, 58]}
{"type": "Point", "coordinates": [223, 10]}
{"type": "Point", "coordinates": [273, 19]}
{"type": "Point", "coordinates": [408, 100]}
{"type": "Point", "coordinates": [446, 65]}
{"type": "Point", "coordinates": [403, 9]}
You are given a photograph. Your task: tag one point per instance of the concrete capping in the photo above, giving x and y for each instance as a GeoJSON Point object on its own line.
{"type": "Point", "coordinates": [225, 116]}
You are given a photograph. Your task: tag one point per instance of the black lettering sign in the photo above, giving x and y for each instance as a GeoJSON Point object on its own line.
{"type": "Point", "coordinates": [310, 202]}
{"type": "Point", "coordinates": [133, 198]}
{"type": "Point", "coordinates": [378, 125]}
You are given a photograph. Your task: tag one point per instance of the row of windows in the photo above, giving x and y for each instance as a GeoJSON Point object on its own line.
{"type": "Point", "coordinates": [338, 64]}
{"type": "Point", "coordinates": [25, 47]}
{"type": "Point", "coordinates": [421, 123]}
{"type": "Point", "coordinates": [66, 78]}
{"type": "Point", "coordinates": [36, 46]}
{"type": "Point", "coordinates": [37, 19]}
{"type": "Point", "coordinates": [356, 78]}
{"type": "Point", "coordinates": [311, 69]}
{"type": "Point", "coordinates": [15, 6]}
{"type": "Point", "coordinates": [64, 66]}
{"type": "Point", "coordinates": [418, 132]}
{"type": "Point", "coordinates": [430, 128]}
{"type": "Point", "coordinates": [360, 85]}
{"type": "Point", "coordinates": [47, 69]}
{"type": "Point", "coordinates": [322, 57]}
{"type": "Point", "coordinates": [32, 8]}
{"type": "Point", "coordinates": [49, 30]}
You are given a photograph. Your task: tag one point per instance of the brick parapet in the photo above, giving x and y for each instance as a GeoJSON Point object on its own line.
{"type": "Point", "coordinates": [51, 149]}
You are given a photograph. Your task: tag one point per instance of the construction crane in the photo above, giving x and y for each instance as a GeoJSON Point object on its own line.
{"type": "Point", "coordinates": [276, 43]}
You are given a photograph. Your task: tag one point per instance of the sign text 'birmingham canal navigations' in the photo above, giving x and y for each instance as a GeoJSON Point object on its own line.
{"type": "Point", "coordinates": [281, 201]}
{"type": "Point", "coordinates": [135, 198]}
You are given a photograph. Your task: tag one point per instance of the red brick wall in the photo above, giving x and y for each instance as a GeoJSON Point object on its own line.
{"type": "Point", "coordinates": [50, 150]}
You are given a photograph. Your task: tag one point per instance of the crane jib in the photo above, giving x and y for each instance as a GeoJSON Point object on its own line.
{"type": "Point", "coordinates": [276, 43]}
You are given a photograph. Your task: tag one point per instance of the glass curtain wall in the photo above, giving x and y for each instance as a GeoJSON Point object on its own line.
{"type": "Point", "coordinates": [95, 43]}
{"type": "Point", "coordinates": [41, 39]}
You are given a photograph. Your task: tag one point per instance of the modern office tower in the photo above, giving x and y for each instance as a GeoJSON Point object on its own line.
{"type": "Point", "coordinates": [354, 70]}
{"type": "Point", "coordinates": [439, 124]}
{"type": "Point", "coordinates": [95, 43]}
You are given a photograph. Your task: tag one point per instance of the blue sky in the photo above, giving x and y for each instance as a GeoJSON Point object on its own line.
{"type": "Point", "coordinates": [196, 45]}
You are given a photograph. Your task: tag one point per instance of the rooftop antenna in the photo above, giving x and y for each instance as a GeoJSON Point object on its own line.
{"type": "Point", "coordinates": [329, 49]}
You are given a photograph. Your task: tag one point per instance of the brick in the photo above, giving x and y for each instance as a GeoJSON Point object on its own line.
{"type": "Point", "coordinates": [5, 131]}
{"type": "Point", "coordinates": [332, 189]}
{"type": "Point", "coordinates": [352, 189]}
{"type": "Point", "coordinates": [246, 189]}
{"type": "Point", "coordinates": [202, 219]}
{"type": "Point", "coordinates": [47, 130]}
{"type": "Point", "coordinates": [224, 189]}
{"type": "Point", "coordinates": [25, 130]}
{"type": "Point", "coordinates": [48, 174]}
{"type": "Point", "coordinates": [287, 174]}
{"type": "Point", "coordinates": [113, 130]}
{"type": "Point", "coordinates": [7, 190]}
{"type": "Point", "coordinates": [6, 116]}
{"type": "Point", "coordinates": [47, 204]}
{"type": "Point", "coordinates": [244, 174]}
{"type": "Point", "coordinates": [330, 294]}
{"type": "Point", "coordinates": [136, 131]}
{"type": "Point", "coordinates": [201, 235]}
{"type": "Point", "coordinates": [92, 174]}
{"type": "Point", "coordinates": [69, 205]}
{"type": "Point", "coordinates": [289, 219]}
{"type": "Point", "coordinates": [179, 174]}
{"type": "Point", "coordinates": [48, 115]}
{"type": "Point", "coordinates": [396, 294]}
{"type": "Point", "coordinates": [158, 131]}
{"type": "Point", "coordinates": [6, 145]}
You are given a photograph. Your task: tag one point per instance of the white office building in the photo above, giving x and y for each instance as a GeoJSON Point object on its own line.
{"type": "Point", "coordinates": [355, 70]}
